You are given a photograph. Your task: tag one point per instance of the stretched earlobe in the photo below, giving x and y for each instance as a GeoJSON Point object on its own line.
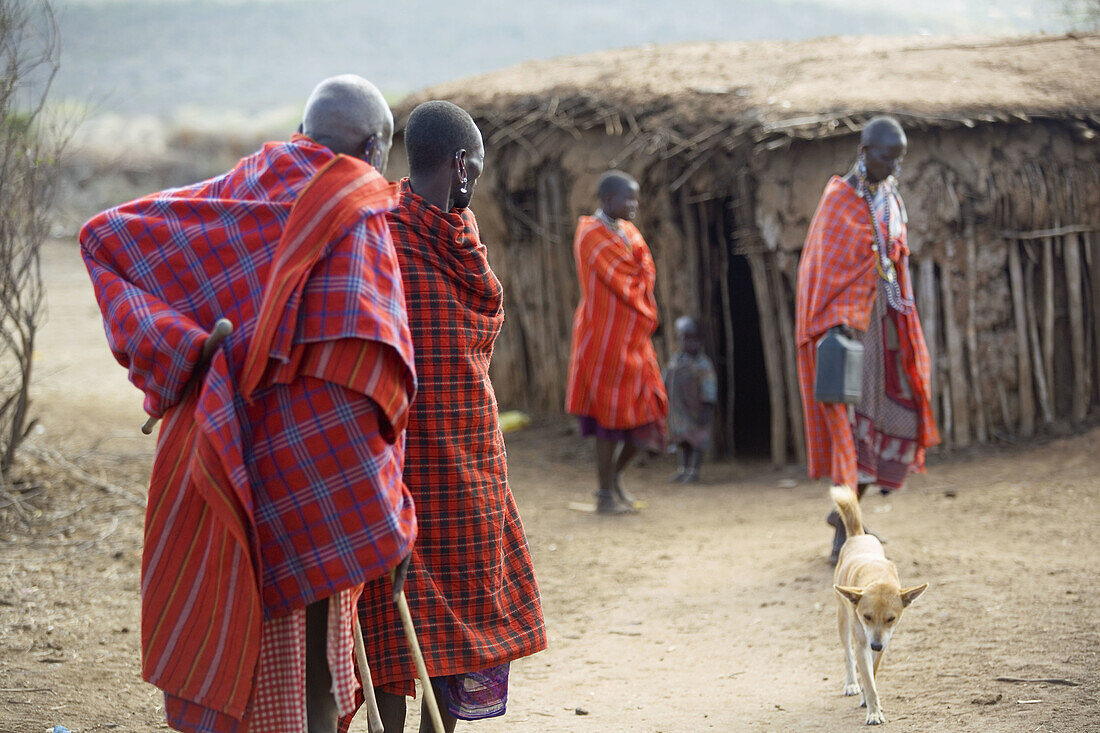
{"type": "Point", "coordinates": [461, 163]}
{"type": "Point", "coordinates": [372, 153]}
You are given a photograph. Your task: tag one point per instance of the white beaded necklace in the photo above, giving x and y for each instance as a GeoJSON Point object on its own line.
{"type": "Point", "coordinates": [880, 249]}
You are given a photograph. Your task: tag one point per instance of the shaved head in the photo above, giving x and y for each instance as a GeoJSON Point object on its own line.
{"type": "Point", "coordinates": [882, 146]}
{"type": "Point", "coordinates": [618, 194]}
{"type": "Point", "coordinates": [614, 182]}
{"type": "Point", "coordinates": [347, 114]}
{"type": "Point", "coordinates": [435, 132]}
{"type": "Point", "coordinates": [446, 154]}
{"type": "Point", "coordinates": [882, 130]}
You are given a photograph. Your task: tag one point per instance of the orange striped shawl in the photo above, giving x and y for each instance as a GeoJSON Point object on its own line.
{"type": "Point", "coordinates": [614, 376]}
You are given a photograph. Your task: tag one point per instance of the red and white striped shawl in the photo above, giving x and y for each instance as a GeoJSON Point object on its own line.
{"type": "Point", "coordinates": [614, 375]}
{"type": "Point", "coordinates": [837, 283]}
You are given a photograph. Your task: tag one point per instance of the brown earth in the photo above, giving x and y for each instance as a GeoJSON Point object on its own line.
{"type": "Point", "coordinates": [709, 611]}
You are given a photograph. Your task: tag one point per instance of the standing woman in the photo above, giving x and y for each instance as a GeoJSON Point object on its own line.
{"type": "Point", "coordinates": [615, 387]}
{"type": "Point", "coordinates": [854, 275]}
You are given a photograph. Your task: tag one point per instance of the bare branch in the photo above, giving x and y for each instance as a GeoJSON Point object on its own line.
{"type": "Point", "coordinates": [29, 153]}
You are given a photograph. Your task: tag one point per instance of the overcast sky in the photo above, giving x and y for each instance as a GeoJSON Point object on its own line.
{"type": "Point", "coordinates": [160, 56]}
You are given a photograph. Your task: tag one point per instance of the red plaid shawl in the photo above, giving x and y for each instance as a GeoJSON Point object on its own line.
{"type": "Point", "coordinates": [471, 585]}
{"type": "Point", "coordinates": [259, 507]}
{"type": "Point", "coordinates": [613, 371]}
{"type": "Point", "coordinates": [837, 283]}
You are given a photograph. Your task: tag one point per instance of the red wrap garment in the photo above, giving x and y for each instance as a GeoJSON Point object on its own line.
{"type": "Point", "coordinates": [276, 481]}
{"type": "Point", "coordinates": [614, 376]}
{"type": "Point", "coordinates": [471, 584]}
{"type": "Point", "coordinates": [837, 285]}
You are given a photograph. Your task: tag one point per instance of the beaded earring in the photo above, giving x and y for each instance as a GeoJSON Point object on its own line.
{"type": "Point", "coordinates": [861, 165]}
{"type": "Point", "coordinates": [462, 169]}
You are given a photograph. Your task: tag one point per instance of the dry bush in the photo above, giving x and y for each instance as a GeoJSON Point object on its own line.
{"type": "Point", "coordinates": [29, 152]}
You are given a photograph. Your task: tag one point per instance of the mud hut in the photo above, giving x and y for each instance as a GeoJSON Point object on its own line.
{"type": "Point", "coordinates": [732, 144]}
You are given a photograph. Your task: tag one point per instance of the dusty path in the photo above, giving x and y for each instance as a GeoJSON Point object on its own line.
{"type": "Point", "coordinates": [710, 611]}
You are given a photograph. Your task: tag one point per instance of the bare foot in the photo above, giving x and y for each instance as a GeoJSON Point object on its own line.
{"type": "Point", "coordinates": [608, 503]}
{"type": "Point", "coordinates": [624, 496]}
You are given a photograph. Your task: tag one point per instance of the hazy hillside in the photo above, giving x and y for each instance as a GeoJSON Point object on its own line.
{"type": "Point", "coordinates": [156, 57]}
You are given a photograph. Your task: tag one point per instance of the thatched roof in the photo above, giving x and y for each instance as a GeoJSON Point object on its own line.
{"type": "Point", "coordinates": [732, 142]}
{"type": "Point", "coordinates": [801, 89]}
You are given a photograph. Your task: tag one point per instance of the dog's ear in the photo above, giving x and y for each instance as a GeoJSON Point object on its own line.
{"type": "Point", "coordinates": [852, 594]}
{"type": "Point", "coordinates": [908, 595]}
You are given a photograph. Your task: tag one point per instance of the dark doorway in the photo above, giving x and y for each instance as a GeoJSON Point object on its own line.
{"type": "Point", "coordinates": [751, 406]}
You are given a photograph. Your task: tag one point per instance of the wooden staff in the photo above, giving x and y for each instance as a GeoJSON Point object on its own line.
{"type": "Point", "coordinates": [374, 717]}
{"type": "Point", "coordinates": [397, 579]}
{"type": "Point", "coordinates": [222, 328]}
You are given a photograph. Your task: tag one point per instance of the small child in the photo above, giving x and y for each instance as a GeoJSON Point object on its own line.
{"type": "Point", "coordinates": [692, 393]}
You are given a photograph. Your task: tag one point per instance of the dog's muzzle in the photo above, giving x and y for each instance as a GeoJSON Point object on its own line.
{"type": "Point", "coordinates": [875, 646]}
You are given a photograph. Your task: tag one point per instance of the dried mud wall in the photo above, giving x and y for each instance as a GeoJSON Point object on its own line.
{"type": "Point", "coordinates": [1004, 227]}
{"type": "Point", "coordinates": [1003, 222]}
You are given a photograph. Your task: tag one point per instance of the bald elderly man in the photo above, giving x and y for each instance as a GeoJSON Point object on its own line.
{"type": "Point", "coordinates": [854, 276]}
{"type": "Point", "coordinates": [276, 490]}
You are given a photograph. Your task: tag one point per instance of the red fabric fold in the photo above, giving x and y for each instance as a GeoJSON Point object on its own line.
{"type": "Point", "coordinates": [335, 197]}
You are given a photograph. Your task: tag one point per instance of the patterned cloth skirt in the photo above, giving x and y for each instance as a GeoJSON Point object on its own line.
{"type": "Point", "coordinates": [474, 695]}
{"type": "Point", "coordinates": [886, 421]}
{"type": "Point", "coordinates": [649, 437]}
{"type": "Point", "coordinates": [279, 702]}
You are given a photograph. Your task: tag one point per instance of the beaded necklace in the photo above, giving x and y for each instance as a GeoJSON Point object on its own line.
{"type": "Point", "coordinates": [612, 224]}
{"type": "Point", "coordinates": [880, 249]}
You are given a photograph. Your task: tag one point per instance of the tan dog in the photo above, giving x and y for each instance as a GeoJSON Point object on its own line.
{"type": "Point", "coordinates": [870, 603]}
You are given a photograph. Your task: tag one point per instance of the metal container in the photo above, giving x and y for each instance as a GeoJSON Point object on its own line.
{"type": "Point", "coordinates": [839, 378]}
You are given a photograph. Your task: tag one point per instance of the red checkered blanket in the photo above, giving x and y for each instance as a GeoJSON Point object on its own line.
{"type": "Point", "coordinates": [837, 283]}
{"type": "Point", "coordinates": [614, 376]}
{"type": "Point", "coordinates": [471, 586]}
{"type": "Point", "coordinates": [266, 498]}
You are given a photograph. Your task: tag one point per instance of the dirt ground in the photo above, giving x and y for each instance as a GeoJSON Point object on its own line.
{"type": "Point", "coordinates": [709, 611]}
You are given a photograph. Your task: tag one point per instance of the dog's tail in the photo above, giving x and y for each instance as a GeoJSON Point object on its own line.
{"type": "Point", "coordinates": [847, 503]}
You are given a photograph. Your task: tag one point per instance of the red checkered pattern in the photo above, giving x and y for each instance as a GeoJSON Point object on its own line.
{"type": "Point", "coordinates": [837, 283]}
{"type": "Point", "coordinates": [279, 702]}
{"type": "Point", "coordinates": [260, 507]}
{"type": "Point", "coordinates": [614, 376]}
{"type": "Point", "coordinates": [471, 585]}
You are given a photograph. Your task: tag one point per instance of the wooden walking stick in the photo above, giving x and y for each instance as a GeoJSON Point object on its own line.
{"type": "Point", "coordinates": [222, 328]}
{"type": "Point", "coordinates": [374, 717]}
{"type": "Point", "coordinates": [397, 579]}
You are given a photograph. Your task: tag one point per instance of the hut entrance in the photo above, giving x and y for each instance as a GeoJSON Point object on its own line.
{"type": "Point", "coordinates": [751, 418]}
{"type": "Point", "coordinates": [735, 328]}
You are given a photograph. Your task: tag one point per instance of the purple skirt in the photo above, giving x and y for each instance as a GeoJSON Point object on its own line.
{"type": "Point", "coordinates": [650, 437]}
{"type": "Point", "coordinates": [474, 695]}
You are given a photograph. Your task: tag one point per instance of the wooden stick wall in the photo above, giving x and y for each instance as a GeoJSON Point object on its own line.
{"type": "Point", "coordinates": [1007, 362]}
{"type": "Point", "coordinates": [1054, 283]}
